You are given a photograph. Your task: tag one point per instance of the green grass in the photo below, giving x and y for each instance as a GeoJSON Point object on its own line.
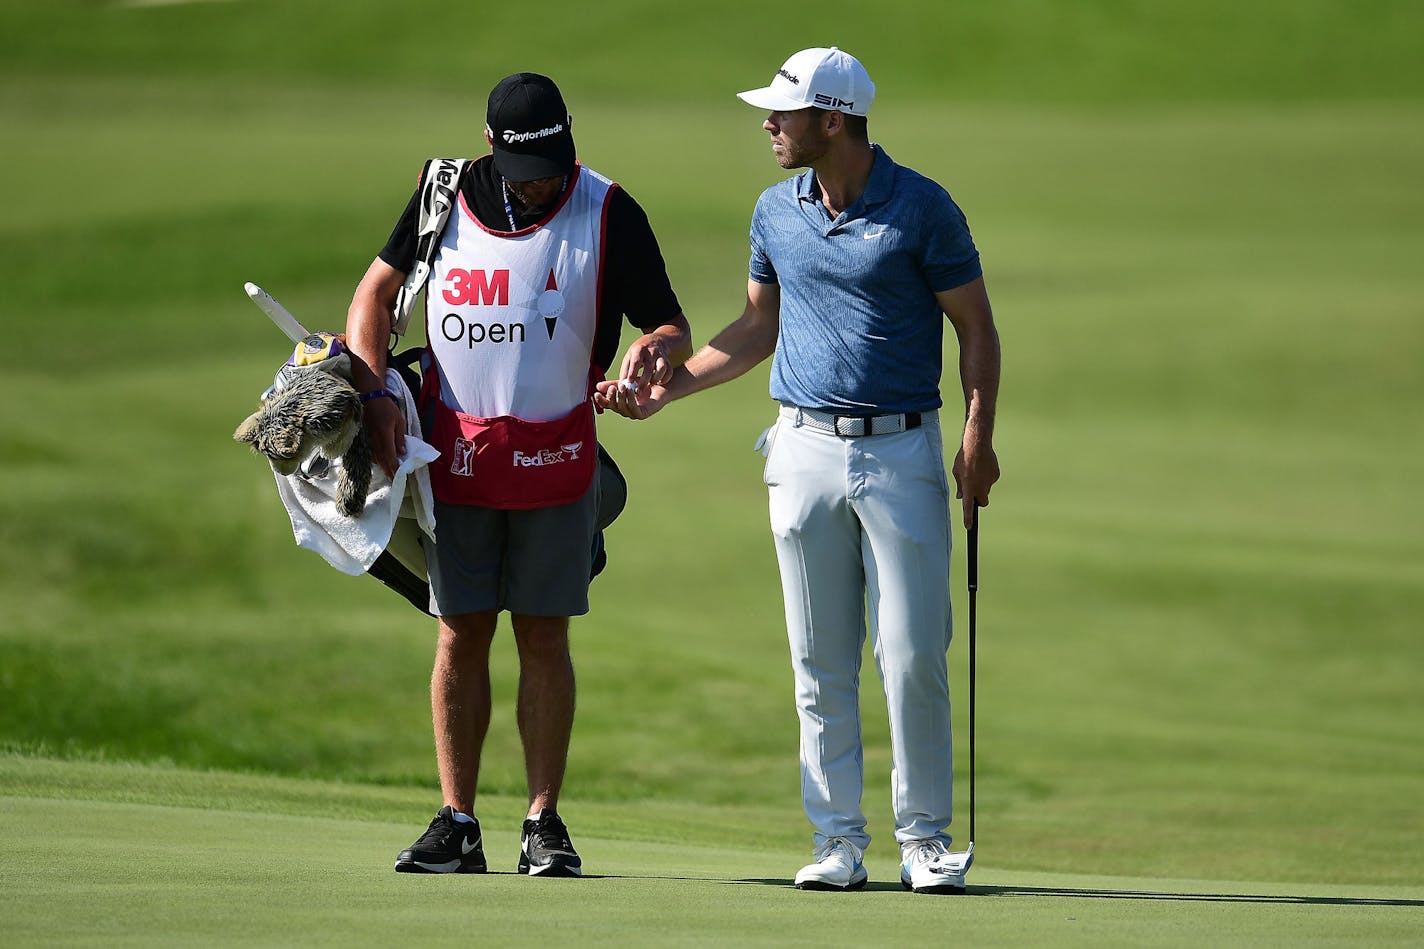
{"type": "Point", "coordinates": [1203, 571]}
{"type": "Point", "coordinates": [170, 857]}
{"type": "Point", "coordinates": [1035, 50]}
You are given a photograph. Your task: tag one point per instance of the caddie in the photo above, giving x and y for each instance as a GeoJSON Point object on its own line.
{"type": "Point", "coordinates": [539, 263]}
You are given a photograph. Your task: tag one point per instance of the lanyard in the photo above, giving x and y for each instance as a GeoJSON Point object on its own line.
{"type": "Point", "coordinates": [509, 208]}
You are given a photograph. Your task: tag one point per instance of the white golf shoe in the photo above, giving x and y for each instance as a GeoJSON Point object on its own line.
{"type": "Point", "coordinates": [837, 867]}
{"type": "Point", "coordinates": [928, 866]}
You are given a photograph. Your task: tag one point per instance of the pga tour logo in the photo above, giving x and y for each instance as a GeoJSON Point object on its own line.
{"type": "Point", "coordinates": [547, 457]}
{"type": "Point", "coordinates": [464, 455]}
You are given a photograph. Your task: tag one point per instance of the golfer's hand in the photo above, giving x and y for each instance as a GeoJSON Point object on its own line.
{"type": "Point", "coordinates": [385, 430]}
{"type": "Point", "coordinates": [646, 362]}
{"type": "Point", "coordinates": [976, 468]}
{"type": "Point", "coordinates": [634, 403]}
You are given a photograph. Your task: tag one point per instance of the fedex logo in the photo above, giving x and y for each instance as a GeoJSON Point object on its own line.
{"type": "Point", "coordinates": [476, 287]}
{"type": "Point", "coordinates": [547, 457]}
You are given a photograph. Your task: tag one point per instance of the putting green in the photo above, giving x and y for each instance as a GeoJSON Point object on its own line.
{"type": "Point", "coordinates": [243, 860]}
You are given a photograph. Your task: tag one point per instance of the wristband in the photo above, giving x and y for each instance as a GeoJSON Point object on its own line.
{"type": "Point", "coordinates": [379, 394]}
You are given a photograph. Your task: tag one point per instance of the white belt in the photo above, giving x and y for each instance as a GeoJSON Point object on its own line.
{"type": "Point", "coordinates": [852, 426]}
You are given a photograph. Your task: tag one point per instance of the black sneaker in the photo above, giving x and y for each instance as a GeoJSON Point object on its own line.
{"type": "Point", "coordinates": [447, 846]}
{"type": "Point", "coordinates": [545, 848]}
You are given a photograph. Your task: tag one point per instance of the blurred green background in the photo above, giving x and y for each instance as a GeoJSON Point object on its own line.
{"type": "Point", "coordinates": [1202, 572]}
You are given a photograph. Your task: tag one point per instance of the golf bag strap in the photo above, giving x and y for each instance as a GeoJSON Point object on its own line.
{"type": "Point", "coordinates": [400, 578]}
{"type": "Point", "coordinates": [438, 192]}
{"type": "Point", "coordinates": [407, 363]}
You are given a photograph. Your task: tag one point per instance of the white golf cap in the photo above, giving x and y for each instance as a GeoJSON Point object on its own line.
{"type": "Point", "coordinates": [826, 78]}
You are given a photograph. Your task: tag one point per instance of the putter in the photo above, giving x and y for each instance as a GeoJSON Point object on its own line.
{"type": "Point", "coordinates": [973, 572]}
{"type": "Point", "coordinates": [961, 861]}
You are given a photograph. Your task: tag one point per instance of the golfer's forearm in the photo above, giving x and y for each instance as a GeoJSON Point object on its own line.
{"type": "Point", "coordinates": [731, 353]}
{"type": "Point", "coordinates": [979, 376]}
{"type": "Point", "coordinates": [968, 309]}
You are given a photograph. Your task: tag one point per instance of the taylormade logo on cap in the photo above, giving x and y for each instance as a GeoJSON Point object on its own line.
{"type": "Point", "coordinates": [826, 78]}
{"type": "Point", "coordinates": [530, 128]}
{"type": "Point", "coordinates": [527, 136]}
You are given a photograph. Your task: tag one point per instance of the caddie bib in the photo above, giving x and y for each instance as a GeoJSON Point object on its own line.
{"type": "Point", "coordinates": [510, 324]}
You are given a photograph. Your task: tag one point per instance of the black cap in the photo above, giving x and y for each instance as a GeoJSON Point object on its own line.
{"type": "Point", "coordinates": [530, 128]}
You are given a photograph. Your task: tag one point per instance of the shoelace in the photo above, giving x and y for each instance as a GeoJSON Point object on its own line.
{"type": "Point", "coordinates": [929, 852]}
{"type": "Point", "coordinates": [824, 851]}
{"type": "Point", "coordinates": [550, 833]}
{"type": "Point", "coordinates": [439, 831]}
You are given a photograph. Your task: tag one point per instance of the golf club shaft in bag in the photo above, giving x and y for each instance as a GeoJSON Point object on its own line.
{"type": "Point", "coordinates": [286, 322]}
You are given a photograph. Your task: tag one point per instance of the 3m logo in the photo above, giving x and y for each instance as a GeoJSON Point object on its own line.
{"type": "Point", "coordinates": [833, 102]}
{"type": "Point", "coordinates": [477, 287]}
{"type": "Point", "coordinates": [546, 457]}
{"type": "Point", "coordinates": [788, 77]}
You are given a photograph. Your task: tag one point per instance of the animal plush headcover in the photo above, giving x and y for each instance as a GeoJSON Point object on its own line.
{"type": "Point", "coordinates": [313, 410]}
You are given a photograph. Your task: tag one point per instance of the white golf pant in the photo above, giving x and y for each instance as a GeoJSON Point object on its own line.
{"type": "Point", "coordinates": [862, 529]}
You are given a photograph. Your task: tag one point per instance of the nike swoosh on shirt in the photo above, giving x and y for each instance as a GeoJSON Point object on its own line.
{"type": "Point", "coordinates": [872, 235]}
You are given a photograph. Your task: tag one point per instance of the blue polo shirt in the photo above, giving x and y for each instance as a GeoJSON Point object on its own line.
{"type": "Point", "coordinates": [861, 331]}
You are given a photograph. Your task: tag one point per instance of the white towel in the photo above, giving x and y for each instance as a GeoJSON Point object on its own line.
{"type": "Point", "coordinates": [352, 544]}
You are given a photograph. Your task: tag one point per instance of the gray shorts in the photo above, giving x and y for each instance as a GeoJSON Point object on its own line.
{"type": "Point", "coordinates": [533, 563]}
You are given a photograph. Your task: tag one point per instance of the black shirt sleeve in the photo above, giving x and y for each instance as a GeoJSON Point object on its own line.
{"type": "Point", "coordinates": [635, 275]}
{"type": "Point", "coordinates": [635, 279]}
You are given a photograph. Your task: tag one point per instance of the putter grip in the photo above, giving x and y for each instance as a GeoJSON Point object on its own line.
{"type": "Point", "coordinates": [973, 564]}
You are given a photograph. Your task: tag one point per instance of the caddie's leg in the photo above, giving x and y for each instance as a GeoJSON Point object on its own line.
{"type": "Point", "coordinates": [904, 510]}
{"type": "Point", "coordinates": [545, 705]}
{"type": "Point", "coordinates": [818, 549]}
{"type": "Point", "coordinates": [460, 703]}
{"type": "Point", "coordinates": [548, 564]}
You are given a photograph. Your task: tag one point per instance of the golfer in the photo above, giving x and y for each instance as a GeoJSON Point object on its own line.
{"type": "Point", "coordinates": [537, 265]}
{"type": "Point", "coordinates": [854, 263]}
